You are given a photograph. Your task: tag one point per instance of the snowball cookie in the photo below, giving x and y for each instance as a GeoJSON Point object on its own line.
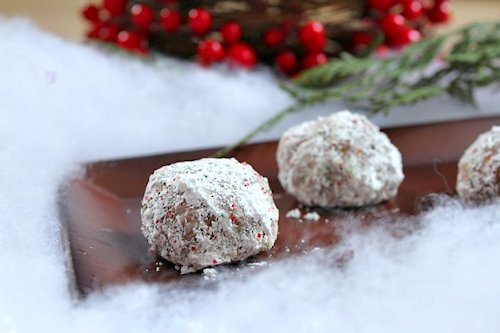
{"type": "Point", "coordinates": [208, 212]}
{"type": "Point", "coordinates": [341, 160]}
{"type": "Point", "coordinates": [479, 168]}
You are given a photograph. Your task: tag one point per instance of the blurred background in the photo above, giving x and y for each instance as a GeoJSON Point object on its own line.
{"type": "Point", "coordinates": [62, 17]}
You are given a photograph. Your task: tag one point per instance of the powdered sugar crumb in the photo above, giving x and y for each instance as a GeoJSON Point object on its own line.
{"type": "Point", "coordinates": [312, 216]}
{"type": "Point", "coordinates": [210, 272]}
{"type": "Point", "coordinates": [294, 214]}
{"type": "Point", "coordinates": [257, 264]}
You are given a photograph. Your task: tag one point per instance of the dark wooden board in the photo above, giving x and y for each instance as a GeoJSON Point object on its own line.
{"type": "Point", "coordinates": [101, 210]}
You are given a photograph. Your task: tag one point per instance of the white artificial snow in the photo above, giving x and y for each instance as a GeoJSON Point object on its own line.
{"type": "Point", "coordinates": [62, 103]}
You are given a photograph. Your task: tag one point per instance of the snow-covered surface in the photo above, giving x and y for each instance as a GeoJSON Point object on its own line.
{"type": "Point", "coordinates": [62, 103]}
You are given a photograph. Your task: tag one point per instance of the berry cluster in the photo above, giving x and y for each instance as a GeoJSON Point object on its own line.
{"type": "Point", "coordinates": [292, 46]}
{"type": "Point", "coordinates": [400, 21]}
{"type": "Point", "coordinates": [311, 35]}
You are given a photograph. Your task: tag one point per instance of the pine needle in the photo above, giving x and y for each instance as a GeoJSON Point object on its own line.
{"type": "Point", "coordinates": [378, 85]}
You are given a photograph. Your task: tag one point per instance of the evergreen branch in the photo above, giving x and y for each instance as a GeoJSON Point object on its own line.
{"type": "Point", "coordinates": [335, 71]}
{"type": "Point", "coordinates": [378, 85]}
{"type": "Point", "coordinates": [377, 40]}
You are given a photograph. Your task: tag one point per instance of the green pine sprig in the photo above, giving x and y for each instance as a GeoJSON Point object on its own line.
{"type": "Point", "coordinates": [377, 85]}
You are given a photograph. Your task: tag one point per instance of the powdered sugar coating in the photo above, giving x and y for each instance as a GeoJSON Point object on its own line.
{"type": "Point", "coordinates": [478, 176]}
{"type": "Point", "coordinates": [208, 212]}
{"type": "Point", "coordinates": [341, 160]}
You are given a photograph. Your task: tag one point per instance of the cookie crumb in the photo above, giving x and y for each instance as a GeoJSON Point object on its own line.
{"type": "Point", "coordinates": [294, 214]}
{"type": "Point", "coordinates": [209, 273]}
{"type": "Point", "coordinates": [187, 270]}
{"type": "Point", "coordinates": [257, 264]}
{"type": "Point", "coordinates": [312, 216]}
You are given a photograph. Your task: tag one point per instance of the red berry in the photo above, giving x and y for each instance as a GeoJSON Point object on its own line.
{"type": "Point", "coordinates": [129, 39]}
{"type": "Point", "coordinates": [142, 49]}
{"type": "Point", "coordinates": [286, 61]}
{"type": "Point", "coordinates": [391, 24]}
{"type": "Point", "coordinates": [91, 13]}
{"type": "Point", "coordinates": [210, 51]}
{"type": "Point", "coordinates": [381, 50]}
{"type": "Point", "coordinates": [412, 9]}
{"type": "Point", "coordinates": [361, 38]}
{"type": "Point", "coordinates": [115, 7]}
{"type": "Point", "coordinates": [382, 5]}
{"type": "Point", "coordinates": [231, 32]}
{"type": "Point", "coordinates": [141, 15]}
{"type": "Point", "coordinates": [109, 31]}
{"type": "Point", "coordinates": [314, 59]}
{"type": "Point", "coordinates": [105, 31]}
{"type": "Point", "coordinates": [287, 26]}
{"type": "Point", "coordinates": [242, 54]}
{"type": "Point", "coordinates": [170, 19]}
{"type": "Point", "coordinates": [199, 20]}
{"type": "Point", "coordinates": [440, 12]}
{"type": "Point", "coordinates": [168, 2]}
{"type": "Point", "coordinates": [273, 37]}
{"type": "Point", "coordinates": [405, 36]}
{"type": "Point", "coordinates": [93, 32]}
{"type": "Point", "coordinates": [312, 35]}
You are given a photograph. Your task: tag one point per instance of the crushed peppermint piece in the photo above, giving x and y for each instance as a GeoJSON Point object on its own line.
{"type": "Point", "coordinates": [294, 214]}
{"type": "Point", "coordinates": [312, 216]}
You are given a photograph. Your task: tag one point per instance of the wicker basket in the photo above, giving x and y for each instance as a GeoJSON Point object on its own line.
{"type": "Point", "coordinates": [349, 25]}
{"type": "Point", "coordinates": [340, 18]}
